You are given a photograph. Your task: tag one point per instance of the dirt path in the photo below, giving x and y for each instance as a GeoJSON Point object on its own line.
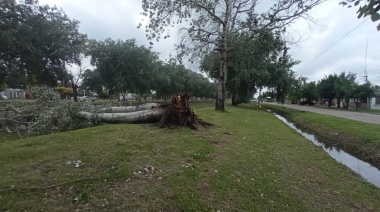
{"type": "Point", "coordinates": [363, 117]}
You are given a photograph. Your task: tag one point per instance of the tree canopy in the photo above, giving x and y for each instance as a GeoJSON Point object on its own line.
{"type": "Point", "coordinates": [36, 43]}
{"type": "Point", "coordinates": [124, 66]}
{"type": "Point", "coordinates": [212, 24]}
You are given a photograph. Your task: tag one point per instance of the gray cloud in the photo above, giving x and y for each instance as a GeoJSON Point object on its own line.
{"type": "Point", "coordinates": [333, 22]}
{"type": "Point", "coordinates": [118, 19]}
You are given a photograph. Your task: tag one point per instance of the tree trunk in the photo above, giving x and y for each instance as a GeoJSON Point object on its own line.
{"type": "Point", "coordinates": [75, 92]}
{"type": "Point", "coordinates": [235, 99]}
{"type": "Point", "coordinates": [224, 61]}
{"type": "Point", "coordinates": [347, 101]}
{"type": "Point", "coordinates": [129, 109]}
{"type": "Point", "coordinates": [124, 94]}
{"type": "Point", "coordinates": [151, 115]}
{"type": "Point", "coordinates": [259, 97]}
{"type": "Point", "coordinates": [75, 89]}
{"type": "Point", "coordinates": [338, 102]}
{"type": "Point", "coordinates": [221, 94]}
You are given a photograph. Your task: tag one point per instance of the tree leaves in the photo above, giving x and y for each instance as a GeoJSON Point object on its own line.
{"type": "Point", "coordinates": [375, 17]}
{"type": "Point", "coordinates": [40, 40]}
{"type": "Point", "coordinates": [370, 7]}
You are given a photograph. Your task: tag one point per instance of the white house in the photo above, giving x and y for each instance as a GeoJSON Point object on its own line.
{"type": "Point", "coordinates": [375, 103]}
{"type": "Point", "coordinates": [14, 93]}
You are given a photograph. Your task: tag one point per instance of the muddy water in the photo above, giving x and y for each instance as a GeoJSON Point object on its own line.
{"type": "Point", "coordinates": [365, 170]}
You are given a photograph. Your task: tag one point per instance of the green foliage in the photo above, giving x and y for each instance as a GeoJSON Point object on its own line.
{"type": "Point", "coordinates": [310, 91]}
{"type": "Point", "coordinates": [344, 86]}
{"type": "Point", "coordinates": [36, 42]}
{"type": "Point", "coordinates": [214, 26]}
{"type": "Point", "coordinates": [368, 8]}
{"type": "Point", "coordinates": [92, 81]}
{"type": "Point", "coordinates": [295, 92]}
{"type": "Point", "coordinates": [326, 87]}
{"type": "Point", "coordinates": [362, 92]}
{"type": "Point", "coordinates": [48, 114]}
{"type": "Point", "coordinates": [53, 114]}
{"type": "Point", "coordinates": [123, 66]}
{"type": "Point", "coordinates": [262, 62]}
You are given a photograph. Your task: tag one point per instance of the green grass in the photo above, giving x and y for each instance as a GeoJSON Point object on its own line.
{"type": "Point", "coordinates": [359, 110]}
{"type": "Point", "coordinates": [249, 161]}
{"type": "Point", "coordinates": [4, 136]}
{"type": "Point", "coordinates": [366, 131]}
{"type": "Point", "coordinates": [358, 138]}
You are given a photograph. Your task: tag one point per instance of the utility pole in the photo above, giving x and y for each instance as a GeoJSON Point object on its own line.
{"type": "Point", "coordinates": [365, 63]}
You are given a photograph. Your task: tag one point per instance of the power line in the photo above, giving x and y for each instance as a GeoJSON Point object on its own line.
{"type": "Point", "coordinates": [338, 41]}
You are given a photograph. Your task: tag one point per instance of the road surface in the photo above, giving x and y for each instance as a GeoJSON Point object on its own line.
{"type": "Point", "coordinates": [363, 117]}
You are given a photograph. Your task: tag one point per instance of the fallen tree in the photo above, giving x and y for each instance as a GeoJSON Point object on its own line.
{"type": "Point", "coordinates": [49, 114]}
{"type": "Point", "coordinates": [139, 116]}
{"type": "Point", "coordinates": [177, 112]}
{"type": "Point", "coordinates": [129, 109]}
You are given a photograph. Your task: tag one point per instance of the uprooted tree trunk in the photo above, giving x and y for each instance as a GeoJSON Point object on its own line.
{"type": "Point", "coordinates": [148, 115]}
{"type": "Point", "coordinates": [177, 112]}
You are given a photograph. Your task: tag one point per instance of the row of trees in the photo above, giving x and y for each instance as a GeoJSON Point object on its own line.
{"type": "Point", "coordinates": [210, 28]}
{"type": "Point", "coordinates": [124, 66]}
{"type": "Point", "coordinates": [341, 87]}
{"type": "Point", "coordinates": [38, 44]}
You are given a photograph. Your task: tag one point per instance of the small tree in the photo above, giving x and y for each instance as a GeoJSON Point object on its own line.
{"type": "Point", "coordinates": [344, 86]}
{"type": "Point", "coordinates": [362, 92]}
{"type": "Point", "coordinates": [326, 88]}
{"type": "Point", "coordinates": [310, 91]}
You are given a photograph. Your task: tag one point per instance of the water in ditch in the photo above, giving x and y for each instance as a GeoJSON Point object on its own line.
{"type": "Point", "coordinates": [365, 170]}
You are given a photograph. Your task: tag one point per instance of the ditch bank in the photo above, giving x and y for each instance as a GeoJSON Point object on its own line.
{"type": "Point", "coordinates": [352, 144]}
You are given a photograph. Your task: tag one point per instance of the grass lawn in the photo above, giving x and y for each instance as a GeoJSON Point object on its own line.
{"type": "Point", "coordinates": [360, 138]}
{"type": "Point", "coordinates": [359, 110]}
{"type": "Point", "coordinates": [249, 161]}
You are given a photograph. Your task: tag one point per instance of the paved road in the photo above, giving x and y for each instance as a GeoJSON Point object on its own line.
{"type": "Point", "coordinates": [363, 117]}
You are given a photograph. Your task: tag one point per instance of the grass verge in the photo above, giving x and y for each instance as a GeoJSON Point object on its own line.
{"type": "Point", "coordinates": [358, 138]}
{"type": "Point", "coordinates": [249, 161]}
{"type": "Point", "coordinates": [359, 110]}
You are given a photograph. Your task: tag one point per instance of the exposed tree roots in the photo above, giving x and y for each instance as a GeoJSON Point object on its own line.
{"type": "Point", "coordinates": [176, 113]}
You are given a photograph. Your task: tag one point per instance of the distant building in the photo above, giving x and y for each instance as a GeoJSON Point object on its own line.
{"type": "Point", "coordinates": [375, 103]}
{"type": "Point", "coordinates": [14, 93]}
{"type": "Point", "coordinates": [128, 96]}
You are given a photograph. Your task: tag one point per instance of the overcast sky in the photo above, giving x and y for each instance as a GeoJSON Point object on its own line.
{"type": "Point", "coordinates": [118, 19]}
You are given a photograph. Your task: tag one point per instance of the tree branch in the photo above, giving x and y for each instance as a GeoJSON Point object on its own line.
{"type": "Point", "coordinates": [207, 10]}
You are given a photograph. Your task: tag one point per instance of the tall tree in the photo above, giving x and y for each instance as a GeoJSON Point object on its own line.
{"type": "Point", "coordinates": [310, 91]}
{"type": "Point", "coordinates": [326, 88]}
{"type": "Point", "coordinates": [296, 89]}
{"type": "Point", "coordinates": [37, 40]}
{"type": "Point", "coordinates": [362, 92]}
{"type": "Point", "coordinates": [344, 86]}
{"type": "Point", "coordinates": [254, 64]}
{"type": "Point", "coordinates": [92, 81]}
{"type": "Point", "coordinates": [123, 66]}
{"type": "Point", "coordinates": [211, 23]}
